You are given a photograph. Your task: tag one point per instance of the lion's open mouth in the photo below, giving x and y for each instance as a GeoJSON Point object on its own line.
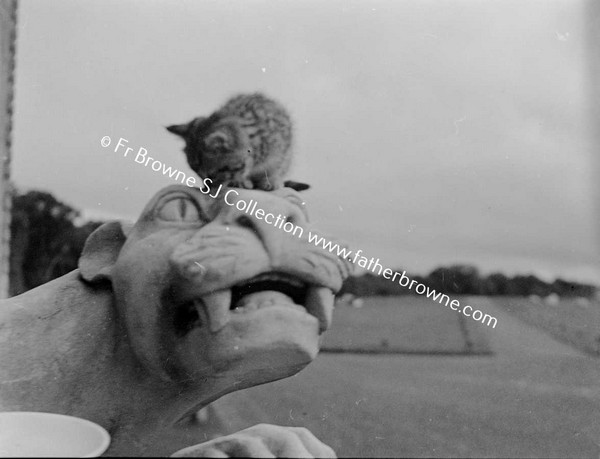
{"type": "Point", "coordinates": [252, 294]}
{"type": "Point", "coordinates": [265, 290]}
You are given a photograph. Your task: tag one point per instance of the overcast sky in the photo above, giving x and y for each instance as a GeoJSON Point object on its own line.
{"type": "Point", "coordinates": [432, 132]}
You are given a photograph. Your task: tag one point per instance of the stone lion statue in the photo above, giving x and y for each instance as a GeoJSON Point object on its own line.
{"type": "Point", "coordinates": [193, 301]}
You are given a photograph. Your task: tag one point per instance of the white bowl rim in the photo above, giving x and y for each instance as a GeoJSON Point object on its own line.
{"type": "Point", "coordinates": [105, 441]}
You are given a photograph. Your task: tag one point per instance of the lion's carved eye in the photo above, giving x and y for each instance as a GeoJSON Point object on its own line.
{"type": "Point", "coordinates": [300, 203]}
{"type": "Point", "coordinates": [179, 210]}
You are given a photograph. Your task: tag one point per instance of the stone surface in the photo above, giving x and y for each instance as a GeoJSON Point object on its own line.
{"type": "Point", "coordinates": [143, 335]}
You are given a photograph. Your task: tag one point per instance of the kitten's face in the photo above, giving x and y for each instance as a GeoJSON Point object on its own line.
{"type": "Point", "coordinates": [216, 148]}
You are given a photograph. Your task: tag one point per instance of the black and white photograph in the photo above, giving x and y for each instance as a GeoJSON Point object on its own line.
{"type": "Point", "coordinates": [300, 228]}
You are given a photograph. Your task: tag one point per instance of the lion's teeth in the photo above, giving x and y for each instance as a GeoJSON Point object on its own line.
{"type": "Point", "coordinates": [277, 277]}
{"type": "Point", "coordinates": [245, 307]}
{"type": "Point", "coordinates": [217, 309]}
{"type": "Point", "coordinates": [262, 299]}
{"type": "Point", "coordinates": [319, 303]}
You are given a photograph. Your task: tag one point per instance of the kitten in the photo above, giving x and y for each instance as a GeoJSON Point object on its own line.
{"type": "Point", "coordinates": [246, 143]}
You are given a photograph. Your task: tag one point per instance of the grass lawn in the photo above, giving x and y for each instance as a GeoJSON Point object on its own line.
{"type": "Point", "coordinates": [570, 321]}
{"type": "Point", "coordinates": [405, 324]}
{"type": "Point", "coordinates": [533, 397]}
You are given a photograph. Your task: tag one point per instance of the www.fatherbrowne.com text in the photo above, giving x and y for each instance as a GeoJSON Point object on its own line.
{"type": "Point", "coordinates": [404, 281]}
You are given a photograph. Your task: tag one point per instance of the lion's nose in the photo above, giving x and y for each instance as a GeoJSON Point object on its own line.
{"type": "Point", "coordinates": [272, 219]}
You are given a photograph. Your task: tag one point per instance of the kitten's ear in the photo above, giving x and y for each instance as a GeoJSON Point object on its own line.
{"type": "Point", "coordinates": [183, 130]}
{"type": "Point", "coordinates": [179, 129]}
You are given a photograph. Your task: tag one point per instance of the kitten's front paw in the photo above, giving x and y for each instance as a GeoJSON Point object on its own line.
{"type": "Point", "coordinates": [269, 185]}
{"type": "Point", "coordinates": [246, 184]}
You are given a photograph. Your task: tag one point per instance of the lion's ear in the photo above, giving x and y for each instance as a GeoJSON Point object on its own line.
{"type": "Point", "coordinates": [101, 251]}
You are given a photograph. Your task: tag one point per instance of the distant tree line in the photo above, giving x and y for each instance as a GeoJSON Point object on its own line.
{"type": "Point", "coordinates": [466, 280]}
{"type": "Point", "coordinates": [45, 241]}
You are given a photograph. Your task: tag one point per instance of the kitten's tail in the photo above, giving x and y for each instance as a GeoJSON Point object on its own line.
{"type": "Point", "coordinates": [298, 186]}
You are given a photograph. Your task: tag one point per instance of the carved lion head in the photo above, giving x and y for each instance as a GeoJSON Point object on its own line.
{"type": "Point", "coordinates": [205, 291]}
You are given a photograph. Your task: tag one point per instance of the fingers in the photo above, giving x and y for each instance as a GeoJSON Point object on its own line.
{"type": "Point", "coordinates": [291, 441]}
{"type": "Point", "coordinates": [262, 440]}
{"type": "Point", "coordinates": [236, 445]}
{"type": "Point", "coordinates": [315, 446]}
{"type": "Point", "coordinates": [285, 443]}
{"type": "Point", "coordinates": [202, 450]}
{"type": "Point", "coordinates": [245, 445]}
